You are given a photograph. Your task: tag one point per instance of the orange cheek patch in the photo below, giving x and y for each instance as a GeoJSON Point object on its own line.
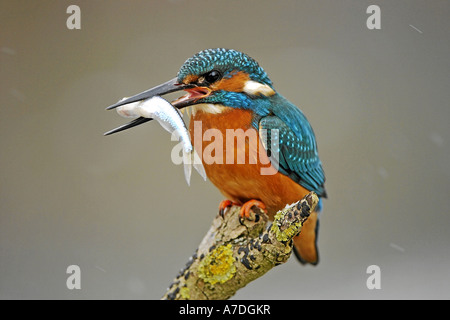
{"type": "Point", "coordinates": [190, 79]}
{"type": "Point", "coordinates": [235, 83]}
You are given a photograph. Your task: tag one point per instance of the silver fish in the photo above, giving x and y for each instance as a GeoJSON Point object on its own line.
{"type": "Point", "coordinates": [170, 119]}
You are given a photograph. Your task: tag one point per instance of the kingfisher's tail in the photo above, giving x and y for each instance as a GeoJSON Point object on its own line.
{"type": "Point", "coordinates": [305, 244]}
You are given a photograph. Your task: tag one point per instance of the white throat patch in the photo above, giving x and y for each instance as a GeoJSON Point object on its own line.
{"type": "Point", "coordinates": [208, 108]}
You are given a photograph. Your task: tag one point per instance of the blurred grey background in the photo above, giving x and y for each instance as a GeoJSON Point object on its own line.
{"type": "Point", "coordinates": [120, 209]}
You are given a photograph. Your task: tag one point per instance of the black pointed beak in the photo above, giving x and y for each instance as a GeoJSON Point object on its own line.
{"type": "Point", "coordinates": [129, 125]}
{"type": "Point", "coordinates": [165, 88]}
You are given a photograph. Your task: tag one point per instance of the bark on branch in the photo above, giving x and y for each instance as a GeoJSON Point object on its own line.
{"type": "Point", "coordinates": [232, 254]}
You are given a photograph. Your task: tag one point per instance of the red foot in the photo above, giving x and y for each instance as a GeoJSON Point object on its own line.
{"type": "Point", "coordinates": [247, 208]}
{"type": "Point", "coordinates": [224, 205]}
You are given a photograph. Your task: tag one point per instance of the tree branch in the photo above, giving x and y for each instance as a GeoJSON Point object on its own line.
{"type": "Point", "coordinates": [232, 254]}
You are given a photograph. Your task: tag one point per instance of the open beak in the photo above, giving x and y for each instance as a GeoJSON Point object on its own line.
{"type": "Point", "coordinates": [194, 93]}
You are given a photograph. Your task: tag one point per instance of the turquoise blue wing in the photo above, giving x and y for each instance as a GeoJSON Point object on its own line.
{"type": "Point", "coordinates": [294, 149]}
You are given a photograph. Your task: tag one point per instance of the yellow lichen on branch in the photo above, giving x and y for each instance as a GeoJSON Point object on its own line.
{"type": "Point", "coordinates": [218, 265]}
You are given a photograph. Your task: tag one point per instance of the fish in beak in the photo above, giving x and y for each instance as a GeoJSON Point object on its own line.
{"type": "Point", "coordinates": [194, 93]}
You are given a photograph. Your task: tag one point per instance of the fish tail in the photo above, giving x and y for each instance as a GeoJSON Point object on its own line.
{"type": "Point", "coordinates": [187, 163]}
{"type": "Point", "coordinates": [198, 165]}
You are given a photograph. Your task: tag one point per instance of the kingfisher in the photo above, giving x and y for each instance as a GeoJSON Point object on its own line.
{"type": "Point", "coordinates": [228, 90]}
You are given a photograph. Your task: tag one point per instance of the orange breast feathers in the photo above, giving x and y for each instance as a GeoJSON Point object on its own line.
{"type": "Point", "coordinates": [236, 162]}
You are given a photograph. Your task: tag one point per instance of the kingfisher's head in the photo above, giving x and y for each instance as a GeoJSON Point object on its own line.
{"type": "Point", "coordinates": [214, 76]}
{"type": "Point", "coordinates": [223, 76]}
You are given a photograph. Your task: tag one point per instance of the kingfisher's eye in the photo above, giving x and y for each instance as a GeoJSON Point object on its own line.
{"type": "Point", "coordinates": [212, 76]}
